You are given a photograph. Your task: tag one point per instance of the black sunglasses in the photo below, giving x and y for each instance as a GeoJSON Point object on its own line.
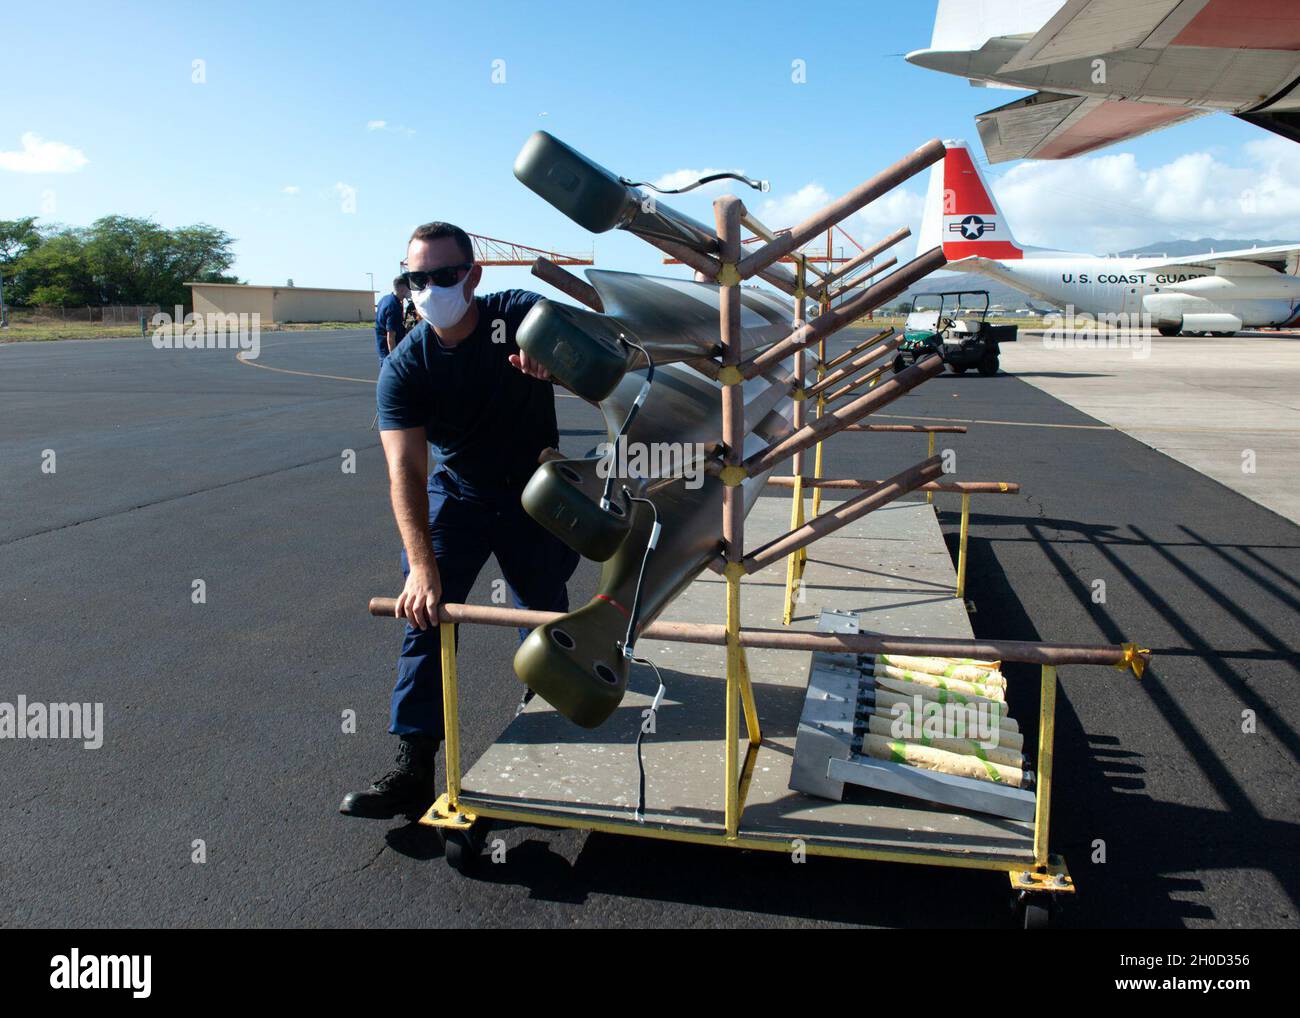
{"type": "Point", "coordinates": [448, 275]}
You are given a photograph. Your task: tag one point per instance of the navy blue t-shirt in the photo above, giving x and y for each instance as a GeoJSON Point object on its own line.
{"type": "Point", "coordinates": [388, 318]}
{"type": "Point", "coordinates": [486, 419]}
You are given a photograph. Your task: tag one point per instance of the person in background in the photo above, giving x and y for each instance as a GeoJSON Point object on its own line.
{"type": "Point", "coordinates": [389, 324]}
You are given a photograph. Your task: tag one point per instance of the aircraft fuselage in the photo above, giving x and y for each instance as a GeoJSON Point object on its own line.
{"type": "Point", "coordinates": [1132, 286]}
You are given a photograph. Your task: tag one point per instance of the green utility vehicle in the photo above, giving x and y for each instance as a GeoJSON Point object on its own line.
{"type": "Point", "coordinates": [954, 325]}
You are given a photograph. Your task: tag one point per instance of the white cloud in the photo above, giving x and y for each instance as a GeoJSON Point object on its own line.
{"type": "Point", "coordinates": [886, 214]}
{"type": "Point", "coordinates": [41, 156]}
{"type": "Point", "coordinates": [289, 189]}
{"type": "Point", "coordinates": [1109, 203]}
{"type": "Point", "coordinates": [384, 125]}
{"type": "Point", "coordinates": [1101, 204]}
{"type": "Point", "coordinates": [681, 178]}
{"type": "Point", "coordinates": [788, 210]}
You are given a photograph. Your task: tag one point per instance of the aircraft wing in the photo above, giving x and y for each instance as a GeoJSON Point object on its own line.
{"type": "Point", "coordinates": [1110, 70]}
{"type": "Point", "coordinates": [1279, 258]}
{"type": "Point", "coordinates": [1088, 28]}
{"type": "Point", "coordinates": [1094, 28]}
{"type": "Point", "coordinates": [1050, 125]}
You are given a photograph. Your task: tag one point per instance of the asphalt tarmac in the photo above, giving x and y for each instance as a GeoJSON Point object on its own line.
{"type": "Point", "coordinates": [212, 799]}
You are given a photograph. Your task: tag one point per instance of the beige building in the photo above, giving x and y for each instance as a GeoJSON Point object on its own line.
{"type": "Point", "coordinates": [279, 304]}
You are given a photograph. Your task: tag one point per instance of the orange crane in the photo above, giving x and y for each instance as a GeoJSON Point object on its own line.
{"type": "Point", "coordinates": [490, 251]}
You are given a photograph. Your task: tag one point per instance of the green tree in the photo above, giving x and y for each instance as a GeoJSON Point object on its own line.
{"type": "Point", "coordinates": [18, 237]}
{"type": "Point", "coordinates": [120, 251]}
{"type": "Point", "coordinates": [116, 260]}
{"type": "Point", "coordinates": [54, 272]}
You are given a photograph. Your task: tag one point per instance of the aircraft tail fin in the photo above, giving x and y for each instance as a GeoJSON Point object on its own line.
{"type": "Point", "coordinates": [961, 213]}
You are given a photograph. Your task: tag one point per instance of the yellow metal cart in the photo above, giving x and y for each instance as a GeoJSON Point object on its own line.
{"type": "Point", "coordinates": [545, 771]}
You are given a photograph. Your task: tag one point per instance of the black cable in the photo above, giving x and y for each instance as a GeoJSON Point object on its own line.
{"type": "Point", "coordinates": [655, 530]}
{"type": "Point", "coordinates": [640, 737]}
{"type": "Point", "coordinates": [635, 613]}
{"type": "Point", "coordinates": [631, 416]}
{"type": "Point", "coordinates": [757, 185]}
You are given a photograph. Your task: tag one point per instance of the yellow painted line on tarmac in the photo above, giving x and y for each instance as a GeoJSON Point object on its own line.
{"type": "Point", "coordinates": [1191, 430]}
{"type": "Point", "coordinates": [1012, 424]}
{"type": "Point", "coordinates": [306, 374]}
{"type": "Point", "coordinates": [897, 417]}
{"type": "Point", "coordinates": [1128, 429]}
{"type": "Point", "coordinates": [334, 378]}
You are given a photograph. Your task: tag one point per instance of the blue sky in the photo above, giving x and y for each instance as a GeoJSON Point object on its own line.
{"type": "Point", "coordinates": [293, 93]}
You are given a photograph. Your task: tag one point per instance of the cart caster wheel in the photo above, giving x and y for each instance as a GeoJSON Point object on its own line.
{"type": "Point", "coordinates": [899, 364]}
{"type": "Point", "coordinates": [1034, 910]}
{"type": "Point", "coordinates": [1037, 916]}
{"type": "Point", "coordinates": [462, 849]}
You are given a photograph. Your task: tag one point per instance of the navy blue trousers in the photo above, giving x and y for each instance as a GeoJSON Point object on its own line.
{"type": "Point", "coordinates": [465, 531]}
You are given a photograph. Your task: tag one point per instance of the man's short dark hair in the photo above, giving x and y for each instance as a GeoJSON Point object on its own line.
{"type": "Point", "coordinates": [436, 231]}
{"type": "Point", "coordinates": [399, 281]}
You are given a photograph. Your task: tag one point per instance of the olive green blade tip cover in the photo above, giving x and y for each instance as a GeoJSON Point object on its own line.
{"type": "Point", "coordinates": [563, 496]}
{"type": "Point", "coordinates": [572, 664]}
{"type": "Point", "coordinates": [581, 188]}
{"type": "Point", "coordinates": [580, 348]}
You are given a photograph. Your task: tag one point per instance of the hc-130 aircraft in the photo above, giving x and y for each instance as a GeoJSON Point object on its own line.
{"type": "Point", "coordinates": [1216, 293]}
{"type": "Point", "coordinates": [1108, 70]}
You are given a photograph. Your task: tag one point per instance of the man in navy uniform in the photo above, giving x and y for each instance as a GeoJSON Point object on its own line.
{"type": "Point", "coordinates": [389, 326]}
{"type": "Point", "coordinates": [461, 384]}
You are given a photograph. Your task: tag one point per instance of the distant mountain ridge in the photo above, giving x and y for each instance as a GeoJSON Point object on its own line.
{"type": "Point", "coordinates": [1177, 248]}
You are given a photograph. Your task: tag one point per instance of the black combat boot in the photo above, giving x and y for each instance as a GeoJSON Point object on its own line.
{"type": "Point", "coordinates": [405, 789]}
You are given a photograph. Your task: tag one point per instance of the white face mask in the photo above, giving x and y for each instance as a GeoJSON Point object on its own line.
{"type": "Point", "coordinates": [442, 306]}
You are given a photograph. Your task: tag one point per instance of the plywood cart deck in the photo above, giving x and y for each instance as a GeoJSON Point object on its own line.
{"type": "Point", "coordinates": [894, 569]}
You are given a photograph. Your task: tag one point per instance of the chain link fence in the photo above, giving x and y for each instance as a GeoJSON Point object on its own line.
{"type": "Point", "coordinates": [105, 314]}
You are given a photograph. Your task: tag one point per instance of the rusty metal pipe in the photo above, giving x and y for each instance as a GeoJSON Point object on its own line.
{"type": "Point", "coordinates": [709, 266]}
{"type": "Point", "coordinates": [854, 483]}
{"type": "Point", "coordinates": [834, 319]}
{"type": "Point", "coordinates": [835, 420]}
{"type": "Point", "coordinates": [686, 255]}
{"type": "Point", "coordinates": [781, 278]}
{"type": "Point", "coordinates": [727, 211]}
{"type": "Point", "coordinates": [759, 230]}
{"type": "Point", "coordinates": [848, 388]}
{"type": "Point", "coordinates": [855, 365]}
{"type": "Point", "coordinates": [857, 261]}
{"type": "Point", "coordinates": [858, 280]}
{"type": "Point", "coordinates": [836, 361]}
{"type": "Point", "coordinates": [705, 366]}
{"type": "Point", "coordinates": [794, 238]}
{"type": "Point", "coordinates": [798, 414]}
{"type": "Point", "coordinates": [844, 513]}
{"type": "Point", "coordinates": [567, 283]}
{"type": "Point", "coordinates": [784, 639]}
{"type": "Point", "coordinates": [939, 429]}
